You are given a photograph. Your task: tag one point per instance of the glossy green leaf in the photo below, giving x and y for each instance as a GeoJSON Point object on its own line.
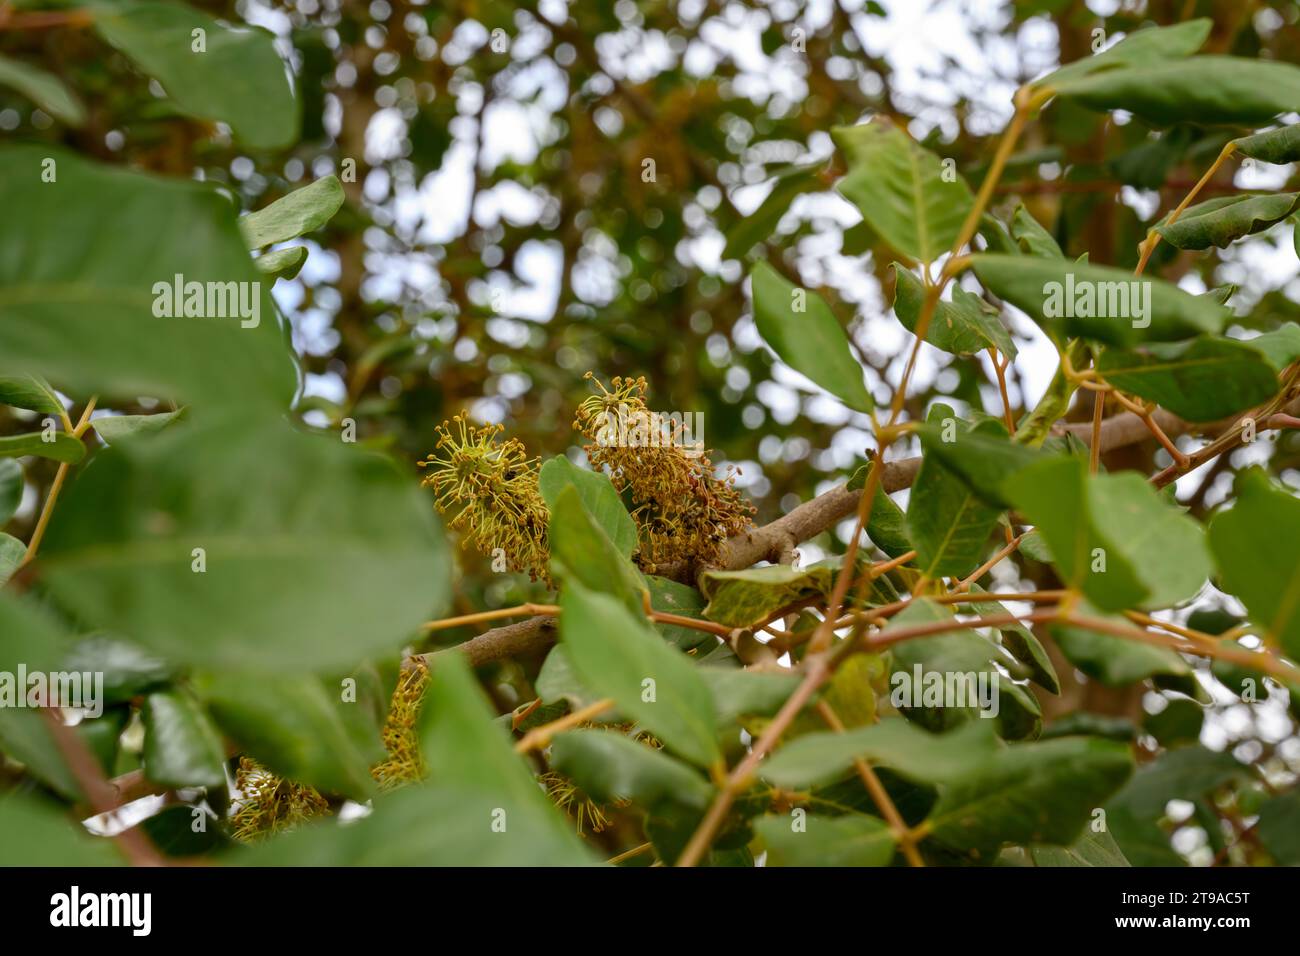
{"type": "Point", "coordinates": [813, 839]}
{"type": "Point", "coordinates": [58, 446]}
{"type": "Point", "coordinates": [44, 89]}
{"type": "Point", "coordinates": [582, 551]}
{"type": "Point", "coordinates": [1254, 546]}
{"type": "Point", "coordinates": [963, 326]}
{"type": "Point", "coordinates": [300, 212]}
{"type": "Point", "coordinates": [947, 523]}
{"type": "Point", "coordinates": [819, 758]}
{"type": "Point", "coordinates": [1032, 238]}
{"type": "Point", "coordinates": [804, 333]}
{"type": "Point", "coordinates": [902, 190]}
{"type": "Point", "coordinates": [609, 766]}
{"type": "Point", "coordinates": [1203, 380]}
{"type": "Point", "coordinates": [1278, 146]}
{"type": "Point", "coordinates": [336, 557]}
{"type": "Point", "coordinates": [616, 654]}
{"type": "Point", "coordinates": [99, 249]}
{"type": "Point", "coordinates": [181, 746]}
{"type": "Point", "coordinates": [1021, 642]}
{"type": "Point", "coordinates": [598, 496]}
{"type": "Point", "coordinates": [887, 524]}
{"type": "Point", "coordinates": [1223, 220]}
{"type": "Point", "coordinates": [128, 670]}
{"type": "Point", "coordinates": [1098, 302]}
{"type": "Point", "coordinates": [30, 391]}
{"type": "Point", "coordinates": [1202, 89]}
{"type": "Point", "coordinates": [984, 457]}
{"type": "Point", "coordinates": [743, 598]}
{"type": "Point", "coordinates": [238, 79]}
{"type": "Point", "coordinates": [1029, 793]}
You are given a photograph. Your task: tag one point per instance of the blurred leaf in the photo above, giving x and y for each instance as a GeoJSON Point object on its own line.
{"type": "Point", "coordinates": [820, 840]}
{"type": "Point", "coordinates": [11, 488]}
{"type": "Point", "coordinates": [1091, 849]}
{"type": "Point", "coordinates": [761, 224]}
{"type": "Point", "coordinates": [804, 333]}
{"type": "Point", "coordinates": [33, 833]}
{"type": "Point", "coordinates": [334, 558]}
{"type": "Point", "coordinates": [60, 446]}
{"type": "Point", "coordinates": [1029, 793]}
{"type": "Point", "coordinates": [44, 89]}
{"type": "Point", "coordinates": [918, 755]}
{"type": "Point", "coordinates": [238, 78]}
{"type": "Point", "coordinates": [12, 552]}
{"type": "Point", "coordinates": [29, 391]}
{"type": "Point", "coordinates": [1277, 146]}
{"type": "Point", "coordinates": [114, 428]}
{"type": "Point", "coordinates": [300, 212]}
{"type": "Point", "coordinates": [609, 767]}
{"type": "Point", "coordinates": [1279, 827]}
{"type": "Point", "coordinates": [282, 263]}
{"type": "Point", "coordinates": [583, 552]}
{"type": "Point", "coordinates": [1032, 238]}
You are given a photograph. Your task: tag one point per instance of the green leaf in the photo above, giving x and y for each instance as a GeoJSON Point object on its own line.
{"type": "Point", "coordinates": [964, 326]}
{"type": "Point", "coordinates": [804, 333]}
{"type": "Point", "coordinates": [60, 446]}
{"type": "Point", "coordinates": [128, 671]}
{"type": "Point", "coordinates": [1279, 828]}
{"type": "Point", "coordinates": [11, 488]}
{"type": "Point", "coordinates": [984, 458]}
{"type": "Point", "coordinates": [30, 391]}
{"type": "Point", "coordinates": [887, 526]}
{"type": "Point", "coordinates": [300, 212]}
{"type": "Point", "coordinates": [1254, 546]}
{"type": "Point", "coordinates": [947, 523]}
{"type": "Point", "coordinates": [44, 89]}
{"type": "Point", "coordinates": [1032, 238]}
{"type": "Point", "coordinates": [1030, 793]}
{"type": "Point", "coordinates": [87, 258]}
{"type": "Point", "coordinates": [298, 726]}
{"type": "Point", "coordinates": [1223, 220]}
{"type": "Point", "coordinates": [901, 189]}
{"type": "Point", "coordinates": [747, 693]}
{"type": "Point", "coordinates": [743, 598]}
{"type": "Point", "coordinates": [672, 597]}
{"type": "Point", "coordinates": [1136, 49]}
{"type": "Point", "coordinates": [1277, 146]}
{"type": "Point", "coordinates": [1021, 642]}
{"type": "Point", "coordinates": [12, 552]}
{"type": "Point", "coordinates": [815, 839]}
{"type": "Point", "coordinates": [1091, 849]}
{"type": "Point", "coordinates": [1202, 89]}
{"type": "Point", "coordinates": [616, 654]}
{"type": "Point", "coordinates": [1098, 302]}
{"type": "Point", "coordinates": [464, 747]}
{"type": "Point", "coordinates": [1115, 661]}
{"type": "Point", "coordinates": [1133, 815]}
{"type": "Point", "coordinates": [582, 551]}
{"type": "Point", "coordinates": [760, 225]}
{"type": "Point", "coordinates": [609, 766]}
{"type": "Point", "coordinates": [1066, 504]}
{"type": "Point", "coordinates": [1201, 381]}
{"type": "Point", "coordinates": [598, 496]}
{"type": "Point", "coordinates": [335, 558]}
{"type": "Point", "coordinates": [114, 428]}
{"type": "Point", "coordinates": [820, 758]}
{"type": "Point", "coordinates": [282, 263]}
{"type": "Point", "coordinates": [238, 79]}
{"type": "Point", "coordinates": [181, 746]}
{"type": "Point", "coordinates": [35, 833]}
{"type": "Point", "coordinates": [1281, 346]}
{"type": "Point", "coordinates": [1179, 723]}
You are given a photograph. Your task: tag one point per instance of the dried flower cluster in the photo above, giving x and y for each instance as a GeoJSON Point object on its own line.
{"type": "Point", "coordinates": [681, 508]}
